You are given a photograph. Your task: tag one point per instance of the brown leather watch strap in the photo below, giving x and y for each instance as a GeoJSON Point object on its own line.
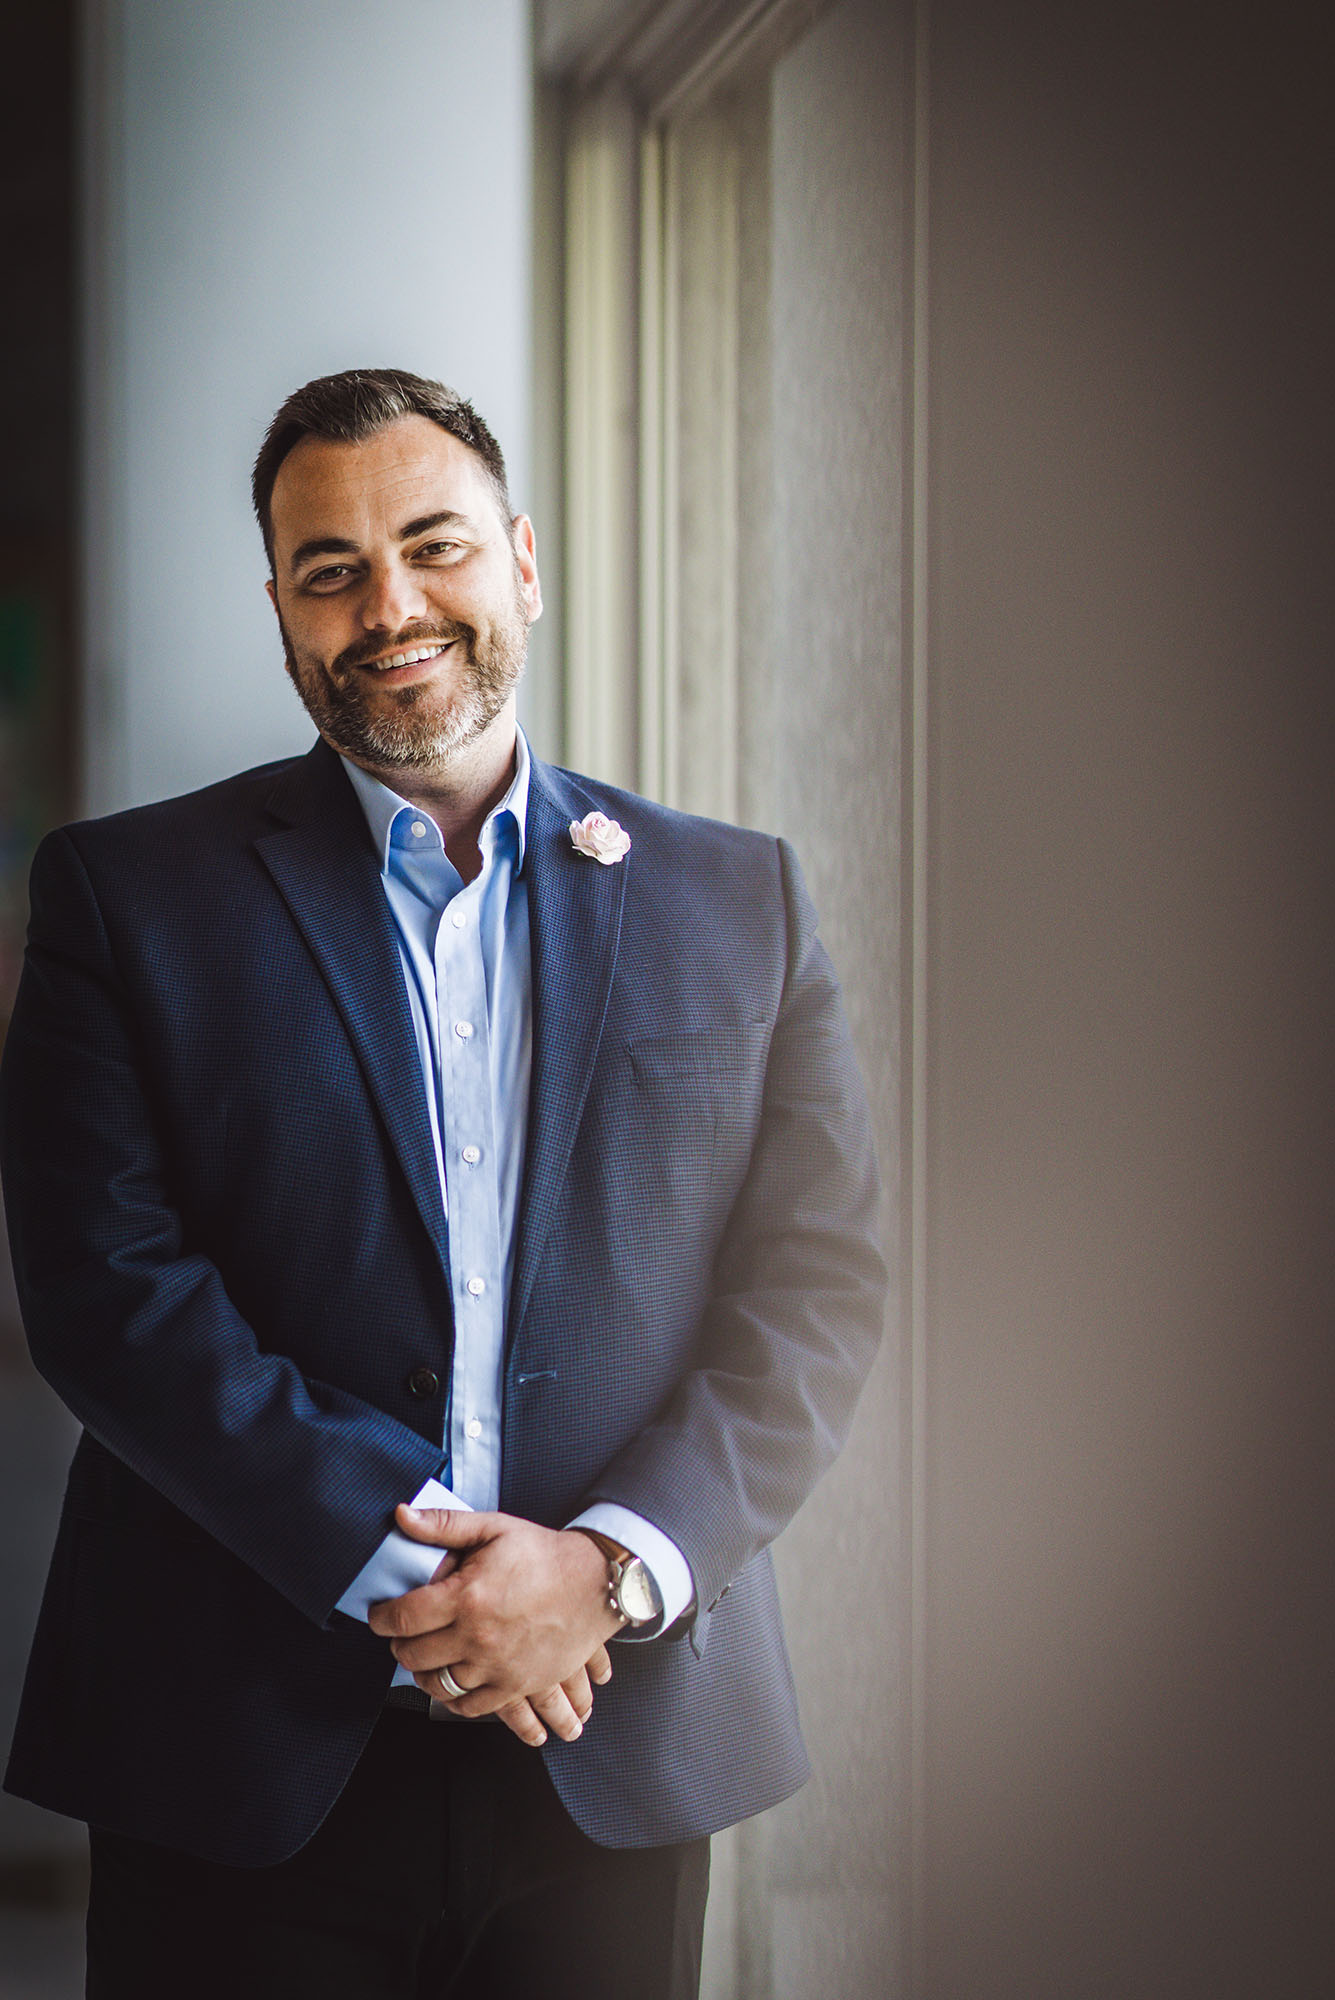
{"type": "Point", "coordinates": [616, 1555]}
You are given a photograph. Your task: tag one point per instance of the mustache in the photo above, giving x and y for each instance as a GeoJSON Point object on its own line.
{"type": "Point", "coordinates": [420, 634]}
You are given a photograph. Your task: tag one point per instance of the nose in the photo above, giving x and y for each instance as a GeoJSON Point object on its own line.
{"type": "Point", "coordinates": [393, 597]}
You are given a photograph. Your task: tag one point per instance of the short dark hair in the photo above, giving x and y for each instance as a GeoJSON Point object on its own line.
{"type": "Point", "coordinates": [347, 408]}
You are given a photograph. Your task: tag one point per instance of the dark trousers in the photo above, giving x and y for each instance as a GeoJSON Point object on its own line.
{"type": "Point", "coordinates": [448, 1870]}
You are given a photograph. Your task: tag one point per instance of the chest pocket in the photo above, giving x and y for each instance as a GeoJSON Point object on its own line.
{"type": "Point", "coordinates": [703, 1053]}
{"type": "Point", "coordinates": [701, 1090]}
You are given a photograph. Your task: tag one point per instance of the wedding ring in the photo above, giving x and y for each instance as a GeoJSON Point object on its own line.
{"type": "Point", "coordinates": [449, 1685]}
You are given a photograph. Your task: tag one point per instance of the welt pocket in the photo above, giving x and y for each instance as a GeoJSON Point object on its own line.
{"type": "Point", "coordinates": [699, 1052]}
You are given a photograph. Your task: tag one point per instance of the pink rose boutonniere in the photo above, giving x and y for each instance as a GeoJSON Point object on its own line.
{"type": "Point", "coordinates": [599, 838]}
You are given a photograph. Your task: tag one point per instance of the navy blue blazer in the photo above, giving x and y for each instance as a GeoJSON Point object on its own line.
{"type": "Point", "coordinates": [231, 1256]}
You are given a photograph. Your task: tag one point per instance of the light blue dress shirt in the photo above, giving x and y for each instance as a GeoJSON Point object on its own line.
{"type": "Point", "coordinates": [464, 951]}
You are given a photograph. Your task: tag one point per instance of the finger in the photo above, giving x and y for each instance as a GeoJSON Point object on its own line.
{"type": "Point", "coordinates": [429, 1681]}
{"type": "Point", "coordinates": [553, 1706]}
{"type": "Point", "coordinates": [429, 1608]}
{"type": "Point", "coordinates": [599, 1667]}
{"type": "Point", "coordinates": [579, 1694]}
{"type": "Point", "coordinates": [478, 1701]}
{"type": "Point", "coordinates": [440, 1647]}
{"type": "Point", "coordinates": [443, 1685]}
{"type": "Point", "coordinates": [519, 1717]}
{"type": "Point", "coordinates": [446, 1527]}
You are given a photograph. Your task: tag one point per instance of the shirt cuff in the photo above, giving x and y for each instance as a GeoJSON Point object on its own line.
{"type": "Point", "coordinates": [658, 1552]}
{"type": "Point", "coordinates": [399, 1564]}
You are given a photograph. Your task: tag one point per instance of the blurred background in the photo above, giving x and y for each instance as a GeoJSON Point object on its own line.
{"type": "Point", "coordinates": [925, 411]}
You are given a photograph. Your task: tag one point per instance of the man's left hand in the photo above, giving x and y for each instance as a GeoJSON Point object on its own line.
{"type": "Point", "coordinates": [520, 1612]}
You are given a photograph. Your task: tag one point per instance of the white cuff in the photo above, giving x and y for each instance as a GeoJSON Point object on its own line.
{"type": "Point", "coordinates": [399, 1564]}
{"type": "Point", "coordinates": [658, 1552]}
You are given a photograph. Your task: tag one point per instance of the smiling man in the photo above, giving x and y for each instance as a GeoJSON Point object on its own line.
{"type": "Point", "coordinates": [441, 1187]}
{"type": "Point", "coordinates": [433, 571]}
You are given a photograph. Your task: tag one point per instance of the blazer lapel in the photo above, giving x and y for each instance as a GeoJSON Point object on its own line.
{"type": "Point", "coordinates": [325, 868]}
{"type": "Point", "coordinates": [574, 914]}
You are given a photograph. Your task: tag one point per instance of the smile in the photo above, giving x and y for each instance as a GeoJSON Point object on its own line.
{"type": "Point", "coordinates": [408, 658]}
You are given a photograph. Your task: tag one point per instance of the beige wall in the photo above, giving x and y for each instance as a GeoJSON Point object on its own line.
{"type": "Point", "coordinates": [834, 664]}
{"type": "Point", "coordinates": [1113, 1776]}
{"type": "Point", "coordinates": [1128, 1668]}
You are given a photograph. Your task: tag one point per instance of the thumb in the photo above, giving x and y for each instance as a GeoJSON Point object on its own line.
{"type": "Point", "coordinates": [445, 1527]}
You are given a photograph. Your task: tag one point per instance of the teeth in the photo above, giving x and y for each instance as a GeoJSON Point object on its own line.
{"type": "Point", "coordinates": [407, 659]}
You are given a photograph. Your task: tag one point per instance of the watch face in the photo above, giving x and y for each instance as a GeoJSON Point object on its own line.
{"type": "Point", "coordinates": [637, 1593]}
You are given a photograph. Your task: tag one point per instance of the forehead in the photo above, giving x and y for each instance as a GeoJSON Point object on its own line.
{"type": "Point", "coordinates": [362, 492]}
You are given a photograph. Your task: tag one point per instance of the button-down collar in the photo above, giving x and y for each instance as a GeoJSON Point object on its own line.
{"type": "Point", "coordinates": [390, 817]}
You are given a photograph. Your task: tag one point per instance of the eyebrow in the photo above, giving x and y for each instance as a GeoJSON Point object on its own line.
{"type": "Point", "coordinates": [339, 545]}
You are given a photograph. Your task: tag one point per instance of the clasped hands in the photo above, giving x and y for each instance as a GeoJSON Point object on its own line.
{"type": "Point", "coordinates": [518, 1613]}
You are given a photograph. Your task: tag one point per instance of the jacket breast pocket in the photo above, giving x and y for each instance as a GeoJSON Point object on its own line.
{"type": "Point", "coordinates": [700, 1053]}
{"type": "Point", "coordinates": [699, 1089]}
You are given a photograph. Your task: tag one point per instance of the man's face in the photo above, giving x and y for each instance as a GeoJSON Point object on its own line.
{"type": "Point", "coordinates": [403, 603]}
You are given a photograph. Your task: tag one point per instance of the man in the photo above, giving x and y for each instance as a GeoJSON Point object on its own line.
{"type": "Point", "coordinates": [413, 1122]}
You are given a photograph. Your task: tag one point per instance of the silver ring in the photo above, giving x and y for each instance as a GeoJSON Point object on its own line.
{"type": "Point", "coordinates": [449, 1685]}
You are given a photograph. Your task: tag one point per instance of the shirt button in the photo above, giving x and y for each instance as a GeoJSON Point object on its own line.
{"type": "Point", "coordinates": [473, 1428]}
{"type": "Point", "coordinates": [463, 1029]}
{"type": "Point", "coordinates": [458, 919]}
{"type": "Point", "coordinates": [423, 1382]}
{"type": "Point", "coordinates": [418, 830]}
{"type": "Point", "coordinates": [471, 1155]}
{"type": "Point", "coordinates": [477, 1286]}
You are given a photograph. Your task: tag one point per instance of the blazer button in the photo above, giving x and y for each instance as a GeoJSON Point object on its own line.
{"type": "Point", "coordinates": [423, 1382]}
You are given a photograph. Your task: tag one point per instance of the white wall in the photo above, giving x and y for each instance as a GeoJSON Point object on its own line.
{"type": "Point", "coordinates": [274, 191]}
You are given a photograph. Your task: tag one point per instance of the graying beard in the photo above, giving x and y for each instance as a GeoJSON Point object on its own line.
{"type": "Point", "coordinates": [392, 741]}
{"type": "Point", "coordinates": [396, 743]}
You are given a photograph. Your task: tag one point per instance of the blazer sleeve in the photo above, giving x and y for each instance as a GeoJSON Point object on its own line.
{"type": "Point", "coordinates": [131, 1326]}
{"type": "Point", "coordinates": [795, 1310]}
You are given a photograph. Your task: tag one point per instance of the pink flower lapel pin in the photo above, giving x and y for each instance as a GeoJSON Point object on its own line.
{"type": "Point", "coordinates": [599, 838]}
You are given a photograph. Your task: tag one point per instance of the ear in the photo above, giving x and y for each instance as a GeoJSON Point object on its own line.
{"type": "Point", "coordinates": [526, 556]}
{"type": "Point", "coordinates": [271, 592]}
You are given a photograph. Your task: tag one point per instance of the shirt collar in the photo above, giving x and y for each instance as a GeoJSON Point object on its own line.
{"type": "Point", "coordinates": [383, 806]}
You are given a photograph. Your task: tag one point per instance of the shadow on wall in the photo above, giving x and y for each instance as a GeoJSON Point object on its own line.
{"type": "Point", "coordinates": [43, 1874]}
{"type": "Point", "coordinates": [42, 1865]}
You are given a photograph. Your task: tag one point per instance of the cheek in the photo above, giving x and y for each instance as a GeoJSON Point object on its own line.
{"type": "Point", "coordinates": [315, 637]}
{"type": "Point", "coordinates": [451, 600]}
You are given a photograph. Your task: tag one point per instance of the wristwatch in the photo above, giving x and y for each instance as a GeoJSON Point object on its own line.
{"type": "Point", "coordinates": [631, 1591]}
